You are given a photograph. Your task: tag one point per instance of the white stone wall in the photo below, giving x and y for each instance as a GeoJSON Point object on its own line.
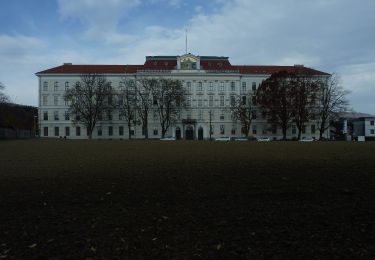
{"type": "Point", "coordinates": [221, 86]}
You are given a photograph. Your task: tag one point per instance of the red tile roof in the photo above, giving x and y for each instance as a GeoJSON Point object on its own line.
{"type": "Point", "coordinates": [272, 69]}
{"type": "Point", "coordinates": [170, 64]}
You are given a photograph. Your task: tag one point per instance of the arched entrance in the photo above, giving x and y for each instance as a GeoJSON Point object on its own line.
{"type": "Point", "coordinates": [178, 133]}
{"type": "Point", "coordinates": [200, 133]}
{"type": "Point", "coordinates": [189, 133]}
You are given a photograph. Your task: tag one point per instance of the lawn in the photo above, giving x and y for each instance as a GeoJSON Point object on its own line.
{"type": "Point", "coordinates": [186, 200]}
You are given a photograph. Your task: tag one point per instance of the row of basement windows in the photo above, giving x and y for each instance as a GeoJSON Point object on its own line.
{"type": "Point", "coordinates": [199, 86]}
{"type": "Point", "coordinates": [99, 130]}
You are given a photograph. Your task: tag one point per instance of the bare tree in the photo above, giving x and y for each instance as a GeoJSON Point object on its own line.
{"type": "Point", "coordinates": [3, 97]}
{"type": "Point", "coordinates": [305, 88]}
{"type": "Point", "coordinates": [144, 91]}
{"type": "Point", "coordinates": [331, 101]}
{"type": "Point", "coordinates": [88, 99]}
{"type": "Point", "coordinates": [127, 99]}
{"type": "Point", "coordinates": [169, 95]}
{"type": "Point", "coordinates": [243, 109]}
{"type": "Point", "coordinates": [275, 98]}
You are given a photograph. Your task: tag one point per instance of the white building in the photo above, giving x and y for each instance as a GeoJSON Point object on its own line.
{"type": "Point", "coordinates": [209, 80]}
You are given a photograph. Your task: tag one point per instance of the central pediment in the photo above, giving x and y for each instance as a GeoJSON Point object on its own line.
{"type": "Point", "coordinates": [188, 62]}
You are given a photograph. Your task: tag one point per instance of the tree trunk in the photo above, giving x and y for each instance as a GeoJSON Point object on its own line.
{"type": "Point", "coordinates": [129, 130]}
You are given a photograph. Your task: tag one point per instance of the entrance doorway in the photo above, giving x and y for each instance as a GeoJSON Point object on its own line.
{"type": "Point", "coordinates": [178, 133]}
{"type": "Point", "coordinates": [189, 133]}
{"type": "Point", "coordinates": [200, 133]}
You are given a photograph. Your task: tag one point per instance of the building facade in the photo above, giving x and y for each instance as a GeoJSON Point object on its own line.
{"type": "Point", "coordinates": [210, 82]}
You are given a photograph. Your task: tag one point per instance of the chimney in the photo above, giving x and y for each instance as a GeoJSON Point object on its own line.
{"type": "Point", "coordinates": [69, 63]}
{"type": "Point", "coordinates": [299, 65]}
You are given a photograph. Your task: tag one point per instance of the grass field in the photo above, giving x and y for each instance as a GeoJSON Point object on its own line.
{"type": "Point", "coordinates": [186, 200]}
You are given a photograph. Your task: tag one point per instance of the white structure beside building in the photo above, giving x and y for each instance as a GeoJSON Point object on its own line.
{"type": "Point", "coordinates": [209, 80]}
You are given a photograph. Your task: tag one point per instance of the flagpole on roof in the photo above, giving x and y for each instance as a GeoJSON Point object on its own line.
{"type": "Point", "coordinates": [186, 43]}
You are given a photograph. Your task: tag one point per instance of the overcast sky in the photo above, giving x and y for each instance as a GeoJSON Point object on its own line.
{"type": "Point", "coordinates": [328, 35]}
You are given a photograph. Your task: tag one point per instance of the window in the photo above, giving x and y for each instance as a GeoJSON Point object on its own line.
{"type": "Point", "coordinates": [45, 100]}
{"type": "Point", "coordinates": [56, 115]}
{"type": "Point", "coordinates": [78, 84]}
{"type": "Point", "coordinates": [199, 101]}
{"type": "Point", "coordinates": [132, 132]}
{"type": "Point", "coordinates": [100, 131]}
{"type": "Point", "coordinates": [233, 86]}
{"type": "Point", "coordinates": [110, 130]}
{"type": "Point", "coordinates": [243, 87]}
{"type": "Point", "coordinates": [45, 86]}
{"type": "Point", "coordinates": [56, 86]}
{"type": "Point", "coordinates": [232, 101]}
{"type": "Point", "coordinates": [233, 132]}
{"type": "Point", "coordinates": [66, 102]}
{"type": "Point", "coordinates": [294, 130]}
{"type": "Point", "coordinates": [222, 86]}
{"type": "Point", "coordinates": [56, 100]}
{"type": "Point", "coordinates": [222, 129]}
{"type": "Point", "coordinates": [156, 116]}
{"type": "Point", "coordinates": [211, 86]}
{"type": "Point", "coordinates": [188, 101]}
{"type": "Point", "coordinates": [372, 131]}
{"type": "Point", "coordinates": [222, 117]}
{"type": "Point", "coordinates": [254, 86]}
{"type": "Point", "coordinates": [57, 130]}
{"type": "Point", "coordinates": [303, 129]}
{"type": "Point", "coordinates": [254, 127]}
{"type": "Point", "coordinates": [155, 131]}
{"type": "Point", "coordinates": [243, 100]}
{"type": "Point", "coordinates": [78, 118]}
{"type": "Point", "coordinates": [254, 114]}
{"type": "Point", "coordinates": [78, 131]}
{"type": "Point", "coordinates": [200, 115]}
{"type": "Point", "coordinates": [188, 84]}
{"type": "Point", "coordinates": [109, 99]}
{"type": "Point", "coordinates": [66, 115]}
{"type": "Point", "coordinates": [313, 129]}
{"type": "Point", "coordinates": [67, 131]}
{"type": "Point", "coordinates": [120, 100]}
{"type": "Point", "coordinates": [45, 115]}
{"type": "Point", "coordinates": [121, 131]}
{"type": "Point", "coordinates": [109, 115]}
{"type": "Point", "coordinates": [221, 101]}
{"type": "Point", "coordinates": [45, 131]}
{"type": "Point", "coordinates": [66, 85]}
{"type": "Point", "coordinates": [155, 100]}
{"type": "Point", "coordinates": [372, 122]}
{"type": "Point", "coordinates": [274, 129]}
{"type": "Point", "coordinates": [254, 100]}
{"type": "Point", "coordinates": [211, 100]}
{"type": "Point", "coordinates": [200, 86]}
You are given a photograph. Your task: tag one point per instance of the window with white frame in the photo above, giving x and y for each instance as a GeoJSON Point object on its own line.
{"type": "Point", "coordinates": [222, 116]}
{"type": "Point", "coordinates": [45, 86]}
{"type": "Point", "coordinates": [243, 100]}
{"type": "Point", "coordinates": [78, 131]}
{"type": "Point", "coordinates": [67, 116]}
{"type": "Point", "coordinates": [232, 100]}
{"type": "Point", "coordinates": [254, 86]}
{"type": "Point", "coordinates": [45, 131]}
{"type": "Point", "coordinates": [188, 101]}
{"type": "Point", "coordinates": [57, 131]}
{"type": "Point", "coordinates": [200, 86]}
{"type": "Point", "coordinates": [155, 131]}
{"type": "Point", "coordinates": [372, 131]}
{"type": "Point", "coordinates": [188, 86]}
{"type": "Point", "coordinates": [211, 86]}
{"type": "Point", "coordinates": [66, 85]}
{"type": "Point", "coordinates": [372, 122]}
{"type": "Point", "coordinates": [222, 129]}
{"type": "Point", "coordinates": [45, 100]}
{"type": "Point", "coordinates": [110, 130]}
{"type": "Point", "coordinates": [45, 115]}
{"type": "Point", "coordinates": [222, 88]}
{"type": "Point", "coordinates": [243, 87]}
{"type": "Point", "coordinates": [200, 103]}
{"type": "Point", "coordinates": [233, 86]}
{"type": "Point", "coordinates": [210, 100]}
{"type": "Point", "coordinates": [200, 115]}
{"type": "Point", "coordinates": [56, 86]}
{"type": "Point", "coordinates": [222, 101]}
{"type": "Point", "coordinates": [55, 100]}
{"type": "Point", "coordinates": [67, 131]}
{"type": "Point", "coordinates": [254, 127]}
{"type": "Point", "coordinates": [120, 130]}
{"type": "Point", "coordinates": [100, 131]}
{"type": "Point", "coordinates": [156, 115]}
{"type": "Point", "coordinates": [56, 115]}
